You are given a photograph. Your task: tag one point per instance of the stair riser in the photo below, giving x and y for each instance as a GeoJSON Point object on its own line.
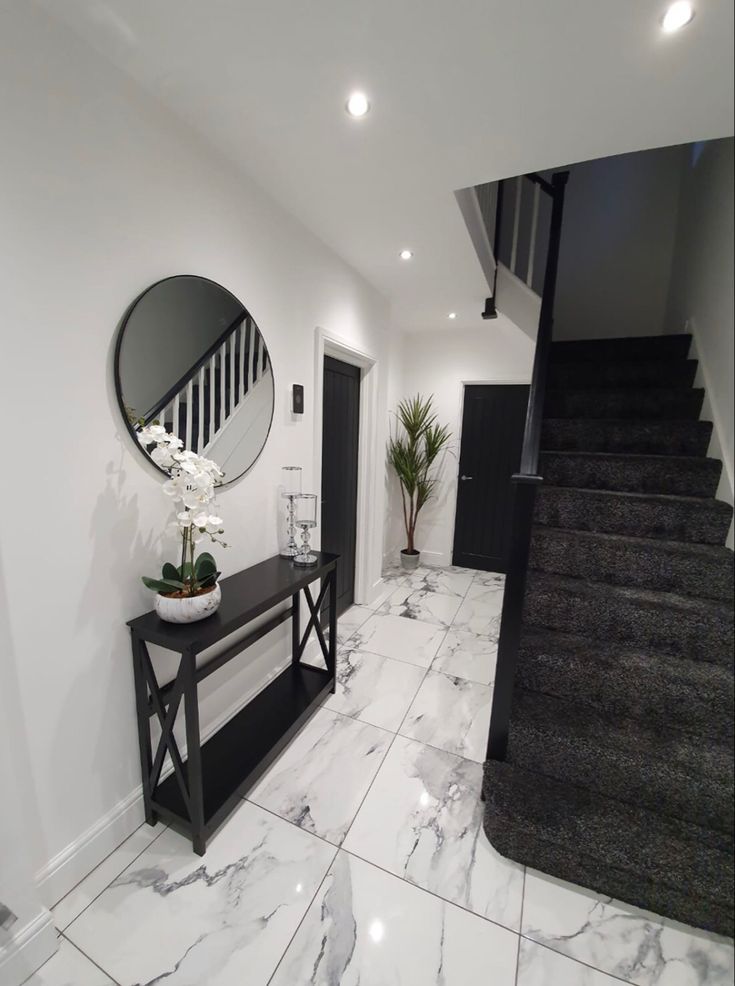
{"type": "Point", "coordinates": [642, 690]}
{"type": "Point", "coordinates": [643, 437]}
{"type": "Point", "coordinates": [691, 796]}
{"type": "Point", "coordinates": [522, 844]}
{"type": "Point", "coordinates": [581, 376]}
{"type": "Point", "coordinates": [702, 523]}
{"type": "Point", "coordinates": [642, 566]}
{"type": "Point", "coordinates": [668, 405]}
{"type": "Point", "coordinates": [644, 348]}
{"type": "Point", "coordinates": [678, 477]}
{"type": "Point", "coordinates": [640, 623]}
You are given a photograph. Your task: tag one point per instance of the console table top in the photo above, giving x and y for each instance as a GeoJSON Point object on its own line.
{"type": "Point", "coordinates": [245, 596]}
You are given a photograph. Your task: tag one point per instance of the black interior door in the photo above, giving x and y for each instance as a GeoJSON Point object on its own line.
{"type": "Point", "coordinates": [340, 437]}
{"type": "Point", "coordinates": [493, 420]}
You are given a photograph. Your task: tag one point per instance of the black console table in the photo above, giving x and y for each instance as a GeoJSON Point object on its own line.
{"type": "Point", "coordinates": [201, 791]}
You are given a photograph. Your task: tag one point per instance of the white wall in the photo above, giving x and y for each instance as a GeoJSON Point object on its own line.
{"type": "Point", "coordinates": [439, 364]}
{"type": "Point", "coordinates": [701, 296]}
{"type": "Point", "coordinates": [103, 193]}
{"type": "Point", "coordinates": [617, 244]}
{"type": "Point", "coordinates": [31, 938]}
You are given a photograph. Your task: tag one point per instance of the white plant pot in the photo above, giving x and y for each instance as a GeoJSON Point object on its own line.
{"type": "Point", "coordinates": [189, 609]}
{"type": "Point", "coordinates": [410, 562]}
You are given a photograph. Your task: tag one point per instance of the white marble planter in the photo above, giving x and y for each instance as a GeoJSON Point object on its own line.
{"type": "Point", "coordinates": [189, 609]}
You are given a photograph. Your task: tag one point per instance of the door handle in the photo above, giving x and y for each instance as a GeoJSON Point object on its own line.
{"type": "Point", "coordinates": [465, 478]}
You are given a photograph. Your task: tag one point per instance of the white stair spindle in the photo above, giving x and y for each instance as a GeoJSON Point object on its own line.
{"type": "Point", "coordinates": [189, 408]}
{"type": "Point", "coordinates": [211, 368]}
{"type": "Point", "coordinates": [516, 224]}
{"type": "Point", "coordinates": [251, 351]}
{"type": "Point", "coordinates": [534, 228]}
{"type": "Point", "coordinates": [241, 334]}
{"type": "Point", "coordinates": [175, 414]}
{"type": "Point", "coordinates": [222, 382]}
{"type": "Point", "coordinates": [200, 429]}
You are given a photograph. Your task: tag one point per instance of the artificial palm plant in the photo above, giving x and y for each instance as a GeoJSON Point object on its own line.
{"type": "Point", "coordinates": [412, 452]}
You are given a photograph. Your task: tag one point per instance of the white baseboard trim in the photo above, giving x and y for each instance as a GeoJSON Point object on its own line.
{"type": "Point", "coordinates": [435, 559]}
{"type": "Point", "coordinates": [64, 871]}
{"type": "Point", "coordinates": [27, 951]}
{"type": "Point", "coordinates": [717, 447]}
{"type": "Point", "coordinates": [67, 868]}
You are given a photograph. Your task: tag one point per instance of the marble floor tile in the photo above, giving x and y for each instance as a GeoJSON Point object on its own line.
{"type": "Point", "coordinates": [539, 966]}
{"type": "Point", "coordinates": [451, 582]}
{"type": "Point", "coordinates": [321, 777]}
{"type": "Point", "coordinates": [367, 928]}
{"type": "Point", "coordinates": [406, 640]}
{"type": "Point", "coordinates": [352, 619]}
{"type": "Point", "coordinates": [68, 968]}
{"type": "Point", "coordinates": [491, 579]}
{"type": "Point", "coordinates": [383, 593]}
{"type": "Point", "coordinates": [394, 573]}
{"type": "Point", "coordinates": [452, 714]}
{"type": "Point", "coordinates": [422, 820]}
{"type": "Point", "coordinates": [374, 689]}
{"type": "Point", "coordinates": [480, 611]}
{"type": "Point", "coordinates": [71, 906]}
{"type": "Point", "coordinates": [417, 604]}
{"type": "Point", "coordinates": [226, 918]}
{"type": "Point", "coordinates": [621, 940]}
{"type": "Point", "coordinates": [465, 655]}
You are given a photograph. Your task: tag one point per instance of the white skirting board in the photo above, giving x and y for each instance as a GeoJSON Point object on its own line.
{"type": "Point", "coordinates": [28, 949]}
{"type": "Point", "coordinates": [65, 870]}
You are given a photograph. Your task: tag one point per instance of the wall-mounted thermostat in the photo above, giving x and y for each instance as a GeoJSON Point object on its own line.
{"type": "Point", "coordinates": [297, 398]}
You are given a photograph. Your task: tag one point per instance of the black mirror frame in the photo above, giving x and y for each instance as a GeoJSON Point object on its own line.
{"type": "Point", "coordinates": [118, 382]}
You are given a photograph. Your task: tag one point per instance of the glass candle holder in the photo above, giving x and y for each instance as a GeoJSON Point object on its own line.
{"type": "Point", "coordinates": [291, 488]}
{"type": "Point", "coordinates": [305, 510]}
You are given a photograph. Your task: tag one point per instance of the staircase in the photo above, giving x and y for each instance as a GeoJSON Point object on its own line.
{"type": "Point", "coordinates": [618, 770]}
{"type": "Point", "coordinates": [199, 406]}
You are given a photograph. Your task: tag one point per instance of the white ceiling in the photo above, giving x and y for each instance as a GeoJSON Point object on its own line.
{"type": "Point", "coordinates": [462, 92]}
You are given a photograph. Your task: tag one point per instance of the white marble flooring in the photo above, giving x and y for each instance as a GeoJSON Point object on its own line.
{"type": "Point", "coordinates": [359, 858]}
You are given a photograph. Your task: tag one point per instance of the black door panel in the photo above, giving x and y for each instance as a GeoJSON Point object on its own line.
{"type": "Point", "coordinates": [493, 420]}
{"type": "Point", "coordinates": [340, 437]}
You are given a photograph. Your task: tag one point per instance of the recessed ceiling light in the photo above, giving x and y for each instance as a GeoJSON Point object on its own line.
{"type": "Point", "coordinates": [677, 16]}
{"type": "Point", "coordinates": [358, 105]}
{"type": "Point", "coordinates": [452, 315]}
{"type": "Point", "coordinates": [406, 254]}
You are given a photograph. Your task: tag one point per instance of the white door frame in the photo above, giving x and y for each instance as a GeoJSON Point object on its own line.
{"type": "Point", "coordinates": [368, 529]}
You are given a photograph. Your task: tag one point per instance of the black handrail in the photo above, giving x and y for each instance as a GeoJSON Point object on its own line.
{"type": "Point", "coordinates": [525, 482]}
{"type": "Point", "coordinates": [192, 371]}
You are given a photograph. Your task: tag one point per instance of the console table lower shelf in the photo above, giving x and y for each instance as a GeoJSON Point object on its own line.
{"type": "Point", "coordinates": [201, 791]}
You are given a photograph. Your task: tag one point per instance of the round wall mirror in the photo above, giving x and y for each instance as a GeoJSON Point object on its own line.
{"type": "Point", "coordinates": [190, 357]}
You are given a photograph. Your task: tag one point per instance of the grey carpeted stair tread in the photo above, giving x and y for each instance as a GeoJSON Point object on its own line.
{"type": "Point", "coordinates": [682, 518]}
{"type": "Point", "coordinates": [652, 437]}
{"type": "Point", "coordinates": [671, 403]}
{"type": "Point", "coordinates": [619, 772]}
{"type": "Point", "coordinates": [668, 866]}
{"type": "Point", "coordinates": [700, 570]}
{"type": "Point", "coordinates": [626, 348]}
{"type": "Point", "coordinates": [612, 375]}
{"type": "Point", "coordinates": [671, 773]}
{"type": "Point", "coordinates": [699, 629]}
{"type": "Point", "coordinates": [662, 691]}
{"type": "Point", "coordinates": [632, 473]}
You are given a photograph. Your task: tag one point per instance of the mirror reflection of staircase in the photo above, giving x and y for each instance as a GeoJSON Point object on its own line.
{"type": "Point", "coordinates": [619, 766]}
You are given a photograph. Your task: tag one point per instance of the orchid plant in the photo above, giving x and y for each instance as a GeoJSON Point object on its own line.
{"type": "Point", "coordinates": [191, 486]}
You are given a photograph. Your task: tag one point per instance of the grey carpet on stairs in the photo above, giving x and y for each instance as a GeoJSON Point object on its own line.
{"type": "Point", "coordinates": [619, 773]}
